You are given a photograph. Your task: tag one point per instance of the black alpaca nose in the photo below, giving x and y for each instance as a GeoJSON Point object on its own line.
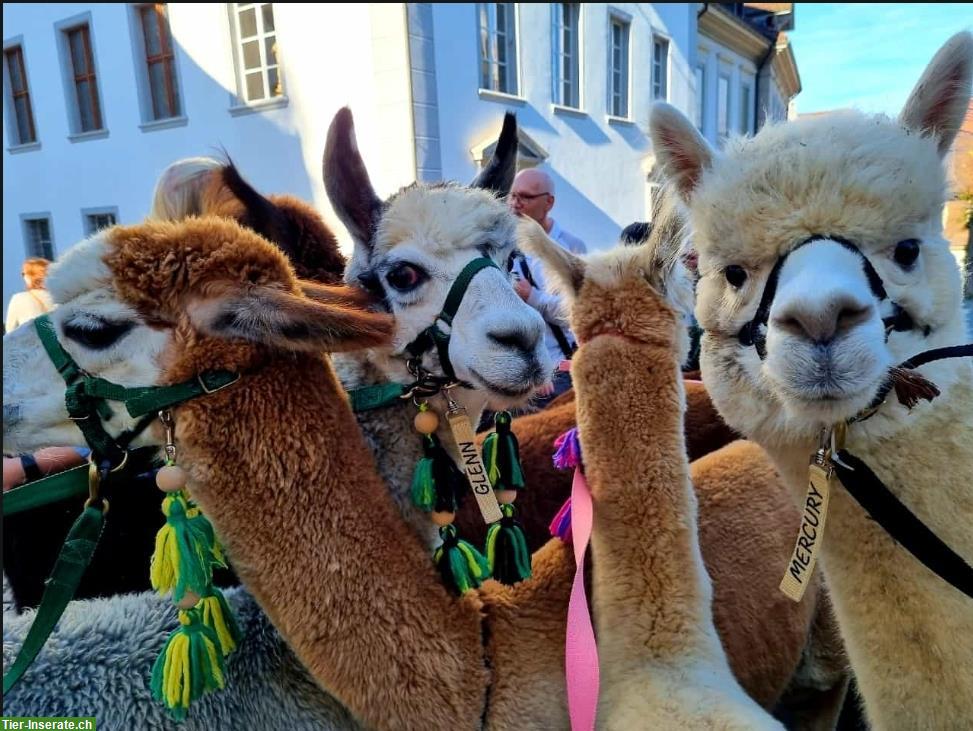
{"type": "Point", "coordinates": [520, 340]}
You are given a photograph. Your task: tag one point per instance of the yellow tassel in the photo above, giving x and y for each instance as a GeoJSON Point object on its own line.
{"type": "Point", "coordinates": [218, 617]}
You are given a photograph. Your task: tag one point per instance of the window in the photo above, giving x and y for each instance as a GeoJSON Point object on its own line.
{"type": "Point", "coordinates": [567, 54]}
{"type": "Point", "coordinates": [745, 109]}
{"type": "Point", "coordinates": [95, 221]}
{"type": "Point", "coordinates": [700, 96]}
{"type": "Point", "coordinates": [82, 67]}
{"type": "Point", "coordinates": [498, 47]}
{"type": "Point", "coordinates": [37, 237]}
{"type": "Point", "coordinates": [23, 115]}
{"type": "Point", "coordinates": [256, 51]}
{"type": "Point", "coordinates": [660, 68]}
{"type": "Point", "coordinates": [723, 107]}
{"type": "Point", "coordinates": [160, 69]}
{"type": "Point", "coordinates": [618, 67]}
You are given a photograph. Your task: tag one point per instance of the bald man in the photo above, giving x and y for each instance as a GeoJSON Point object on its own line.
{"type": "Point", "coordinates": [532, 195]}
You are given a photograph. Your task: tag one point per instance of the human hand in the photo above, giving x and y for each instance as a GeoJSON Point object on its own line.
{"type": "Point", "coordinates": [49, 460]}
{"type": "Point", "coordinates": [545, 390]}
{"type": "Point", "coordinates": [522, 288]}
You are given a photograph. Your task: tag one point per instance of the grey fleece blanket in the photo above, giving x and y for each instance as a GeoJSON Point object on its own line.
{"type": "Point", "coordinates": [99, 660]}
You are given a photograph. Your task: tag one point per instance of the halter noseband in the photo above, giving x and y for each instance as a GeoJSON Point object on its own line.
{"type": "Point", "coordinates": [87, 396]}
{"type": "Point", "coordinates": [755, 331]}
{"type": "Point", "coordinates": [433, 337]}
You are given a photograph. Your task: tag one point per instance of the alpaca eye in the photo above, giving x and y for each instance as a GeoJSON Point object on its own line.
{"type": "Point", "coordinates": [96, 334]}
{"type": "Point", "coordinates": [736, 275]}
{"type": "Point", "coordinates": [906, 252]}
{"type": "Point", "coordinates": [405, 277]}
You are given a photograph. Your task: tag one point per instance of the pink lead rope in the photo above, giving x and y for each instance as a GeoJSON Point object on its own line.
{"type": "Point", "coordinates": [574, 522]}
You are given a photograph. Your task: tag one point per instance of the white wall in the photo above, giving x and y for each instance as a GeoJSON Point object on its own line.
{"type": "Point", "coordinates": [718, 59]}
{"type": "Point", "coordinates": [597, 165]}
{"type": "Point", "coordinates": [332, 55]}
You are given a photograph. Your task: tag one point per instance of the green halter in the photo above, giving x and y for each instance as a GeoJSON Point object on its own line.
{"type": "Point", "coordinates": [86, 400]}
{"type": "Point", "coordinates": [87, 396]}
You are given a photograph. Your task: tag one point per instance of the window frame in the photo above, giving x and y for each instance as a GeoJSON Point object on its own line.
{"type": "Point", "coordinates": [87, 213]}
{"type": "Point", "coordinates": [88, 76]}
{"type": "Point", "coordinates": [25, 220]}
{"type": "Point", "coordinates": [617, 18]}
{"type": "Point", "coordinates": [62, 29]}
{"type": "Point", "coordinates": [557, 28]}
{"type": "Point", "coordinates": [701, 96]}
{"type": "Point", "coordinates": [724, 119]}
{"type": "Point", "coordinates": [746, 110]}
{"type": "Point", "coordinates": [169, 58]}
{"type": "Point", "coordinates": [241, 101]}
{"type": "Point", "coordinates": [11, 47]}
{"type": "Point", "coordinates": [657, 39]}
{"type": "Point", "coordinates": [513, 44]}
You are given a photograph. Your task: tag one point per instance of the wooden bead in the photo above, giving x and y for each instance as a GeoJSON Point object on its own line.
{"type": "Point", "coordinates": [171, 478]}
{"type": "Point", "coordinates": [426, 422]}
{"type": "Point", "coordinates": [442, 519]}
{"type": "Point", "coordinates": [189, 600]}
{"type": "Point", "coordinates": [505, 497]}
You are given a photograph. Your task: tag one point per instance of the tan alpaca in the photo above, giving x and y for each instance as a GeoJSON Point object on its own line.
{"type": "Point", "coordinates": [661, 661]}
{"type": "Point", "coordinates": [878, 183]}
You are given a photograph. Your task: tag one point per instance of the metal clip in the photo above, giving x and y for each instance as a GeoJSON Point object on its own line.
{"type": "Point", "coordinates": [165, 416]}
{"type": "Point", "coordinates": [94, 488]}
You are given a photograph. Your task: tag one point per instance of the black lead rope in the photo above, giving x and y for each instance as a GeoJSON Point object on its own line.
{"type": "Point", "coordinates": [901, 523]}
{"type": "Point", "coordinates": [888, 511]}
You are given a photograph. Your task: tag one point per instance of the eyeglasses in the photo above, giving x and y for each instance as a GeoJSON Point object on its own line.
{"type": "Point", "coordinates": [524, 196]}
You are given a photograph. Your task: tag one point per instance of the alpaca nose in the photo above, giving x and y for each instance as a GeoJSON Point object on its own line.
{"type": "Point", "coordinates": [821, 322]}
{"type": "Point", "coordinates": [524, 341]}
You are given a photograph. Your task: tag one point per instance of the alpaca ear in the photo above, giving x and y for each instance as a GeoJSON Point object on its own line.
{"type": "Point", "coordinates": [347, 183]}
{"type": "Point", "coordinates": [262, 215]}
{"type": "Point", "coordinates": [679, 146]}
{"type": "Point", "coordinates": [498, 174]}
{"type": "Point", "coordinates": [939, 100]}
{"type": "Point", "coordinates": [289, 321]}
{"type": "Point", "coordinates": [567, 269]}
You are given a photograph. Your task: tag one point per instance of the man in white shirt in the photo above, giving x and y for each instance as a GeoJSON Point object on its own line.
{"type": "Point", "coordinates": [532, 195]}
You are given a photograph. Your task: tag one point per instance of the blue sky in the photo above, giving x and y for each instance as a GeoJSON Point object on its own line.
{"type": "Point", "coordinates": [868, 56]}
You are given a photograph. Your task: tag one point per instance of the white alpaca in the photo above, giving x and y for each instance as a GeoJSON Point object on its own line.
{"type": "Point", "coordinates": [879, 184]}
{"type": "Point", "coordinates": [409, 250]}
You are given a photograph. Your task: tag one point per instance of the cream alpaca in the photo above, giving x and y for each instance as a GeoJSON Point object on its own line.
{"type": "Point", "coordinates": [662, 663]}
{"type": "Point", "coordinates": [878, 183]}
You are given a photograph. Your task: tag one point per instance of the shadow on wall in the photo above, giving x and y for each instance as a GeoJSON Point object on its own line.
{"type": "Point", "coordinates": [578, 215]}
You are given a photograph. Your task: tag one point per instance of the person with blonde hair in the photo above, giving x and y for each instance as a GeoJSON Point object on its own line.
{"type": "Point", "coordinates": [25, 306]}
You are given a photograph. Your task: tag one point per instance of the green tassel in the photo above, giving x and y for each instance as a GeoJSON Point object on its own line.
{"type": "Point", "coordinates": [437, 483]}
{"type": "Point", "coordinates": [190, 665]}
{"type": "Point", "coordinates": [506, 549]}
{"type": "Point", "coordinates": [460, 564]}
{"type": "Point", "coordinates": [501, 455]}
{"type": "Point", "coordinates": [218, 617]}
{"type": "Point", "coordinates": [423, 486]}
{"type": "Point", "coordinates": [185, 550]}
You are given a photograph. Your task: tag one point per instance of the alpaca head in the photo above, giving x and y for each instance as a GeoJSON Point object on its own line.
{"type": "Point", "coordinates": [411, 248]}
{"type": "Point", "coordinates": [203, 186]}
{"type": "Point", "coordinates": [641, 294]}
{"type": "Point", "coordinates": [162, 302]}
{"type": "Point", "coordinates": [799, 193]}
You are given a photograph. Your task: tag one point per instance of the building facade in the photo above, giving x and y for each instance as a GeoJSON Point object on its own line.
{"type": "Point", "coordinates": [100, 98]}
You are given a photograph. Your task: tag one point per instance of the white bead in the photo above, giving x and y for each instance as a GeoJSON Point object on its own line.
{"type": "Point", "coordinates": [171, 478]}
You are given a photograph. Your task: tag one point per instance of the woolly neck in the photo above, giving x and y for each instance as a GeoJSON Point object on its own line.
{"type": "Point", "coordinates": [279, 468]}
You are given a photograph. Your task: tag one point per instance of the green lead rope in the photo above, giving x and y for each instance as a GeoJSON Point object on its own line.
{"type": "Point", "coordinates": [70, 566]}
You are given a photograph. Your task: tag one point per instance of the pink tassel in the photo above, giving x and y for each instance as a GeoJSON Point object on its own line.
{"type": "Point", "coordinates": [568, 450]}
{"type": "Point", "coordinates": [561, 525]}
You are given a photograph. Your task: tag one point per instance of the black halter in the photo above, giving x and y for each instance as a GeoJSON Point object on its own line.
{"type": "Point", "coordinates": [755, 331]}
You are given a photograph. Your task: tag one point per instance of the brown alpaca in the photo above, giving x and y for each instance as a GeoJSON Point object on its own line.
{"type": "Point", "coordinates": [661, 661]}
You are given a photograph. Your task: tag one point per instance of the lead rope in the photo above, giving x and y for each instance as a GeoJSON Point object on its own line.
{"type": "Point", "coordinates": [832, 465]}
